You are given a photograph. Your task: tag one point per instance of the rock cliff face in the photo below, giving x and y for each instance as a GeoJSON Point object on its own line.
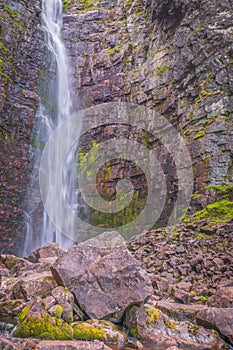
{"type": "Point", "coordinates": [174, 56]}
{"type": "Point", "coordinates": [20, 52]}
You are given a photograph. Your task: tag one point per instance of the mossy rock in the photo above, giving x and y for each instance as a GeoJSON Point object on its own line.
{"type": "Point", "coordinates": [8, 307]}
{"type": "Point", "coordinates": [134, 333]}
{"type": "Point", "coordinates": [23, 314]}
{"type": "Point", "coordinates": [85, 331]}
{"type": "Point", "coordinates": [44, 327]}
{"type": "Point", "coordinates": [46, 336]}
{"type": "Point", "coordinates": [214, 213]}
{"type": "Point", "coordinates": [10, 261]}
{"type": "Point", "coordinates": [153, 314]}
{"type": "Point", "coordinates": [57, 311]}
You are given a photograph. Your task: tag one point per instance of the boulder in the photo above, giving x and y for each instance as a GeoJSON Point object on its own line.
{"type": "Point", "coordinates": [218, 318]}
{"type": "Point", "coordinates": [10, 260]}
{"type": "Point", "coordinates": [48, 302]}
{"type": "Point", "coordinates": [104, 281]}
{"type": "Point", "coordinates": [50, 252]}
{"type": "Point", "coordinates": [11, 343]}
{"type": "Point", "coordinates": [151, 324]}
{"type": "Point", "coordinates": [38, 284]}
{"type": "Point", "coordinates": [223, 298]}
{"type": "Point", "coordinates": [27, 287]}
{"type": "Point", "coordinates": [62, 295]}
{"type": "Point", "coordinates": [64, 311]}
{"type": "Point", "coordinates": [4, 271]}
{"type": "Point", "coordinates": [72, 345]}
{"type": "Point", "coordinates": [11, 307]}
{"type": "Point", "coordinates": [6, 344]}
{"type": "Point", "coordinates": [20, 266]}
{"type": "Point", "coordinates": [76, 261]}
{"type": "Point", "coordinates": [99, 330]}
{"type": "Point", "coordinates": [180, 312]}
{"type": "Point", "coordinates": [67, 314]}
{"type": "Point", "coordinates": [35, 322]}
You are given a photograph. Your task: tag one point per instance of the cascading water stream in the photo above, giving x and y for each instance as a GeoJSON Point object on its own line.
{"type": "Point", "coordinates": [55, 107]}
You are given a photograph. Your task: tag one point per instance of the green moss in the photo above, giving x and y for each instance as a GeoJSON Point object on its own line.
{"type": "Point", "coordinates": [112, 50]}
{"type": "Point", "coordinates": [193, 329]}
{"type": "Point", "coordinates": [134, 332]}
{"type": "Point", "coordinates": [107, 170]}
{"type": "Point", "coordinates": [12, 13]}
{"type": "Point", "coordinates": [227, 115]}
{"type": "Point", "coordinates": [68, 4]}
{"type": "Point", "coordinates": [23, 314]}
{"type": "Point", "coordinates": [153, 314]}
{"type": "Point", "coordinates": [216, 212]}
{"type": "Point", "coordinates": [46, 336]}
{"type": "Point", "coordinates": [221, 190]}
{"type": "Point", "coordinates": [202, 235]}
{"type": "Point", "coordinates": [175, 233]}
{"type": "Point", "coordinates": [162, 69]}
{"type": "Point", "coordinates": [199, 134]}
{"type": "Point", "coordinates": [204, 299]}
{"type": "Point", "coordinates": [170, 324]}
{"type": "Point", "coordinates": [39, 327]}
{"type": "Point", "coordinates": [84, 331]}
{"type": "Point", "coordinates": [7, 307]}
{"type": "Point", "coordinates": [10, 261]}
{"type": "Point", "coordinates": [58, 311]}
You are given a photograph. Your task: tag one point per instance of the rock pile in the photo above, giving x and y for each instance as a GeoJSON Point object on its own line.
{"type": "Point", "coordinates": [93, 298]}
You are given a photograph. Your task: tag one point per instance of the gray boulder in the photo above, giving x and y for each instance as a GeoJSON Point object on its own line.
{"type": "Point", "coordinates": [218, 318]}
{"type": "Point", "coordinates": [104, 281]}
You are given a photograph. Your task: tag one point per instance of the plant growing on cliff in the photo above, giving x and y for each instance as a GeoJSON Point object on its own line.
{"type": "Point", "coordinates": [214, 213]}
{"type": "Point", "coordinates": [162, 69]}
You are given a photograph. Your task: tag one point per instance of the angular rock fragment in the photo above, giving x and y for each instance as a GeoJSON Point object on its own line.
{"type": "Point", "coordinates": [105, 282]}
{"type": "Point", "coordinates": [218, 318]}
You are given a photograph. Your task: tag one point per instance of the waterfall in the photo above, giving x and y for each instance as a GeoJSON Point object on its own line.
{"type": "Point", "coordinates": [55, 107]}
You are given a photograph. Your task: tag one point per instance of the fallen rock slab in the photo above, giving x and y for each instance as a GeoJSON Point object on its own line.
{"type": "Point", "coordinates": [99, 330]}
{"type": "Point", "coordinates": [50, 251]}
{"type": "Point", "coordinates": [180, 312]}
{"type": "Point", "coordinates": [105, 282]}
{"type": "Point", "coordinates": [11, 343]}
{"type": "Point", "coordinates": [11, 307]}
{"type": "Point", "coordinates": [153, 325]}
{"type": "Point", "coordinates": [219, 319]}
{"type": "Point", "coordinates": [6, 344]}
{"type": "Point", "coordinates": [72, 345]}
{"type": "Point", "coordinates": [223, 298]}
{"type": "Point", "coordinates": [38, 284]}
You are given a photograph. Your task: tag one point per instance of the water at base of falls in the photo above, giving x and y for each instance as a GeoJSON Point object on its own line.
{"type": "Point", "coordinates": [55, 107]}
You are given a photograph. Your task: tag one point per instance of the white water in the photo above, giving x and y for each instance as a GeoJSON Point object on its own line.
{"type": "Point", "coordinates": [58, 107]}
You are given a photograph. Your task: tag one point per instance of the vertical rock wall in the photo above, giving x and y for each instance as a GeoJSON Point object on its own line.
{"type": "Point", "coordinates": [20, 47]}
{"type": "Point", "coordinates": [172, 56]}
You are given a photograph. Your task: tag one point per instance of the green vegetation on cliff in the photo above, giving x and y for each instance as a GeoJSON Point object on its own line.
{"type": "Point", "coordinates": [214, 213]}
